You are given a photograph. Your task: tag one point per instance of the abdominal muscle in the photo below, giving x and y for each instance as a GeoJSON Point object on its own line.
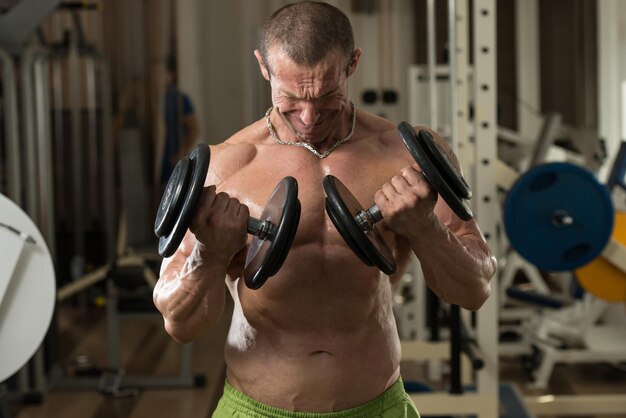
{"type": "Point", "coordinates": [319, 336]}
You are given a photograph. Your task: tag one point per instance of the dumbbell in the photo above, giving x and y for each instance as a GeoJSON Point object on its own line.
{"type": "Point", "coordinates": [273, 232]}
{"type": "Point", "coordinates": [358, 226]}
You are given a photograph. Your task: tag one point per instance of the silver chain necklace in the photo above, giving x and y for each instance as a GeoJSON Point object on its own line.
{"type": "Point", "coordinates": [306, 145]}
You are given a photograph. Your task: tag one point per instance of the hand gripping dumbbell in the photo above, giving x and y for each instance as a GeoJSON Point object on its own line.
{"type": "Point", "coordinates": [358, 226]}
{"type": "Point", "coordinates": [273, 232]}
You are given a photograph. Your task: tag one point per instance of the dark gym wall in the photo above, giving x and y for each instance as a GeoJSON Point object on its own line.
{"type": "Point", "coordinates": [568, 54]}
{"type": "Point", "coordinates": [506, 51]}
{"type": "Point", "coordinates": [568, 57]}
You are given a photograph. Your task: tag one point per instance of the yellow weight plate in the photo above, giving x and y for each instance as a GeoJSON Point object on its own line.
{"type": "Point", "coordinates": [601, 278]}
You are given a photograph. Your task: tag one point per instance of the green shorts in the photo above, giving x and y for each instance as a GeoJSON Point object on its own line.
{"type": "Point", "coordinates": [393, 403]}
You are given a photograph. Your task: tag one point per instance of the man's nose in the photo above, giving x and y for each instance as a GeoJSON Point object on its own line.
{"type": "Point", "coordinates": [309, 114]}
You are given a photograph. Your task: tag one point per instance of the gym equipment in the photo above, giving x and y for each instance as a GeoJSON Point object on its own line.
{"type": "Point", "coordinates": [27, 288]}
{"type": "Point", "coordinates": [601, 277]}
{"type": "Point", "coordinates": [20, 19]}
{"type": "Point", "coordinates": [584, 331]}
{"type": "Point", "coordinates": [357, 225]}
{"type": "Point", "coordinates": [43, 97]}
{"type": "Point", "coordinates": [617, 177]}
{"type": "Point", "coordinates": [179, 200]}
{"type": "Point", "coordinates": [611, 266]}
{"type": "Point", "coordinates": [558, 216]}
{"type": "Point", "coordinates": [273, 232]}
{"type": "Point", "coordinates": [129, 281]}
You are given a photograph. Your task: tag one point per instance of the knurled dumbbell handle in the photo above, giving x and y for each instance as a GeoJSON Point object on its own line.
{"type": "Point", "coordinates": [367, 218]}
{"type": "Point", "coordinates": [261, 229]}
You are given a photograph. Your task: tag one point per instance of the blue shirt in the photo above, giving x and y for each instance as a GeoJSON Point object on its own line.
{"type": "Point", "coordinates": [176, 103]}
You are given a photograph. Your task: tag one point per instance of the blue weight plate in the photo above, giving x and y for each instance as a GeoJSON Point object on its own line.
{"type": "Point", "coordinates": [198, 168]}
{"type": "Point", "coordinates": [266, 256]}
{"type": "Point", "coordinates": [558, 216]}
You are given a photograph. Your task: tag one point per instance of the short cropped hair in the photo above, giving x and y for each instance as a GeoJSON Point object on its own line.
{"type": "Point", "coordinates": [307, 31]}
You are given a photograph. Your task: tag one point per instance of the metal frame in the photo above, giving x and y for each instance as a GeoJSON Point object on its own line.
{"type": "Point", "coordinates": [11, 128]}
{"type": "Point", "coordinates": [453, 58]}
{"type": "Point", "coordinates": [411, 314]}
{"type": "Point", "coordinates": [75, 136]}
{"type": "Point", "coordinates": [431, 62]}
{"type": "Point", "coordinates": [185, 378]}
{"type": "Point", "coordinates": [485, 197]}
{"type": "Point", "coordinates": [39, 193]}
{"type": "Point", "coordinates": [39, 197]}
{"type": "Point", "coordinates": [98, 80]}
{"type": "Point", "coordinates": [44, 179]}
{"type": "Point", "coordinates": [34, 163]}
{"type": "Point", "coordinates": [609, 53]}
{"type": "Point", "coordinates": [479, 155]}
{"type": "Point", "coordinates": [575, 405]}
{"type": "Point", "coordinates": [21, 20]}
{"type": "Point", "coordinates": [552, 356]}
{"type": "Point", "coordinates": [462, 82]}
{"type": "Point", "coordinates": [528, 59]}
{"type": "Point", "coordinates": [29, 129]}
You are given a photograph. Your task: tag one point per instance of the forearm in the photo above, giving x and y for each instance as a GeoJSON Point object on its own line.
{"type": "Point", "coordinates": [191, 296]}
{"type": "Point", "coordinates": [457, 268]}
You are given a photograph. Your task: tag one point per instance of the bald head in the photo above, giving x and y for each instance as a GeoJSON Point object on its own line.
{"type": "Point", "coordinates": [307, 31]}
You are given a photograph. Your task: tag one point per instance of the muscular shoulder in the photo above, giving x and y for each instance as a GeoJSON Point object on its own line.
{"type": "Point", "coordinates": [384, 134]}
{"type": "Point", "coordinates": [377, 130]}
{"type": "Point", "coordinates": [374, 124]}
{"type": "Point", "coordinates": [234, 154]}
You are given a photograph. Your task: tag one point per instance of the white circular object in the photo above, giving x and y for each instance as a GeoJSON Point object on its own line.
{"type": "Point", "coordinates": [28, 303]}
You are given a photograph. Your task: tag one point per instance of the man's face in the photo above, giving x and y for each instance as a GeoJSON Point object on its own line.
{"type": "Point", "coordinates": [310, 100]}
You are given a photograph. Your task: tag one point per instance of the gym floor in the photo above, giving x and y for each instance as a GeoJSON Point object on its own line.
{"type": "Point", "coordinates": [148, 349]}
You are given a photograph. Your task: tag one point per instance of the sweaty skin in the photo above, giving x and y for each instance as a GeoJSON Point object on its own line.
{"type": "Point", "coordinates": [320, 335]}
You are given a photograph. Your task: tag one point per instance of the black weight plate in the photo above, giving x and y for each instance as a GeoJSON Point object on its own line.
{"type": "Point", "coordinates": [345, 234]}
{"type": "Point", "coordinates": [265, 256]}
{"type": "Point", "coordinates": [342, 208]}
{"type": "Point", "coordinates": [536, 202]}
{"type": "Point", "coordinates": [450, 173]}
{"type": "Point", "coordinates": [290, 236]}
{"type": "Point", "coordinates": [424, 142]}
{"type": "Point", "coordinates": [198, 166]}
{"type": "Point", "coordinates": [173, 198]}
{"type": "Point", "coordinates": [432, 173]}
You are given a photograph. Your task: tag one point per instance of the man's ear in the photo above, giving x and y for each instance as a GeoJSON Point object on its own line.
{"type": "Point", "coordinates": [356, 55]}
{"type": "Point", "coordinates": [264, 70]}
